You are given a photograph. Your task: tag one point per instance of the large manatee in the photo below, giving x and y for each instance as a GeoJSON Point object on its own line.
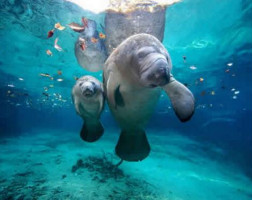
{"type": "Point", "coordinates": [134, 75]}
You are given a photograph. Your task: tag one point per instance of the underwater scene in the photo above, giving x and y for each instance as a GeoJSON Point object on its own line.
{"type": "Point", "coordinates": [126, 99]}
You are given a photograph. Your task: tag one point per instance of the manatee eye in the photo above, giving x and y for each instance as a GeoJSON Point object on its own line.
{"type": "Point", "coordinates": [80, 84]}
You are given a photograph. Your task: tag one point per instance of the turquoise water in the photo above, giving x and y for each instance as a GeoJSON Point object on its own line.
{"type": "Point", "coordinates": [208, 157]}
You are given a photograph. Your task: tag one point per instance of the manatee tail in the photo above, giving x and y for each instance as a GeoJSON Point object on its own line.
{"type": "Point", "coordinates": [91, 131]}
{"type": "Point", "coordinates": [133, 145]}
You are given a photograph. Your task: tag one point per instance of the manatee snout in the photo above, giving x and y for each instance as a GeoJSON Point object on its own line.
{"type": "Point", "coordinates": [88, 89]}
{"type": "Point", "coordinates": [161, 74]}
{"type": "Point", "coordinates": [157, 74]}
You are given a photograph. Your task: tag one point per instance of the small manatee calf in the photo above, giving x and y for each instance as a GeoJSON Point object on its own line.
{"type": "Point", "coordinates": [88, 98]}
{"type": "Point", "coordinates": [90, 50]}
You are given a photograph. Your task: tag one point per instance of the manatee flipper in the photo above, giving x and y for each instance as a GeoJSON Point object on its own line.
{"type": "Point", "coordinates": [181, 98]}
{"type": "Point", "coordinates": [118, 97]}
{"type": "Point", "coordinates": [133, 146]}
{"type": "Point", "coordinates": [111, 87]}
{"type": "Point", "coordinates": [91, 131]}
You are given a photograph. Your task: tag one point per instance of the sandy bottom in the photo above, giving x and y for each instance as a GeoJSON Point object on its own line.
{"type": "Point", "coordinates": [54, 165]}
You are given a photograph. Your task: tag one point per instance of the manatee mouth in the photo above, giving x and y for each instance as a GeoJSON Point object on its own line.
{"type": "Point", "coordinates": [88, 92]}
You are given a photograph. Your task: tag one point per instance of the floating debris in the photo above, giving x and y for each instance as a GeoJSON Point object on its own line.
{"type": "Point", "coordinates": [237, 92]}
{"type": "Point", "coordinates": [21, 79]}
{"type": "Point", "coordinates": [11, 85]}
{"type": "Point", "coordinates": [51, 86]}
{"type": "Point", "coordinates": [203, 93]}
{"type": "Point", "coordinates": [45, 94]}
{"type": "Point", "coordinates": [85, 22]}
{"type": "Point", "coordinates": [82, 43]}
{"type": "Point", "coordinates": [49, 52]}
{"type": "Point", "coordinates": [212, 92]}
{"type": "Point", "coordinates": [193, 67]}
{"type": "Point", "coordinates": [233, 89]}
{"type": "Point", "coordinates": [234, 97]}
{"type": "Point", "coordinates": [201, 79]}
{"type": "Point", "coordinates": [184, 58]}
{"type": "Point", "coordinates": [59, 79]}
{"type": "Point", "coordinates": [18, 104]}
{"type": "Point", "coordinates": [230, 64]}
{"type": "Point", "coordinates": [59, 72]}
{"type": "Point", "coordinates": [102, 36]}
{"type": "Point", "coordinates": [45, 89]}
{"type": "Point", "coordinates": [94, 40]}
{"type": "Point", "coordinates": [76, 27]}
{"type": "Point", "coordinates": [233, 74]}
{"type": "Point", "coordinates": [59, 26]}
{"type": "Point", "coordinates": [50, 33]}
{"type": "Point", "coordinates": [45, 74]}
{"type": "Point", "coordinates": [56, 46]}
{"type": "Point", "coordinates": [227, 71]}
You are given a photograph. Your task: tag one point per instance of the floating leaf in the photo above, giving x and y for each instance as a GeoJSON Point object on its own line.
{"type": "Point", "coordinates": [49, 52]}
{"type": "Point", "coordinates": [85, 22]}
{"type": "Point", "coordinates": [94, 40]}
{"type": "Point", "coordinates": [58, 48]}
{"type": "Point", "coordinates": [59, 26]}
{"type": "Point", "coordinates": [102, 36]}
{"type": "Point", "coordinates": [76, 27]}
{"type": "Point", "coordinates": [50, 33]}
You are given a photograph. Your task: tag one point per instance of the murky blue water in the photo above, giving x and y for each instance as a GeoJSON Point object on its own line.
{"type": "Point", "coordinates": [210, 46]}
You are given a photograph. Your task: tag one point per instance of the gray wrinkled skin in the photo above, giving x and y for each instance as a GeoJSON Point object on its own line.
{"type": "Point", "coordinates": [119, 26]}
